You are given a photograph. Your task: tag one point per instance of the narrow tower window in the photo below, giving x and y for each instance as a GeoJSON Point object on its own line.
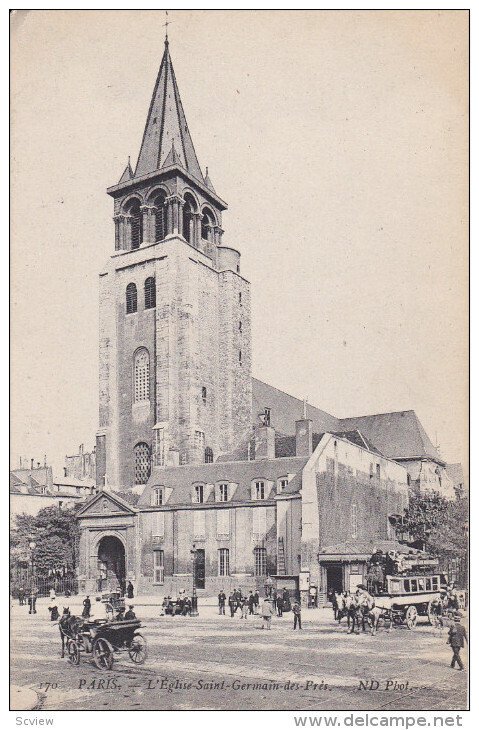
{"type": "Point", "coordinates": [206, 225]}
{"type": "Point", "coordinates": [136, 224]}
{"type": "Point", "coordinates": [150, 293]}
{"type": "Point", "coordinates": [208, 455]}
{"type": "Point", "coordinates": [160, 217]}
{"type": "Point", "coordinates": [187, 220]}
{"type": "Point", "coordinates": [131, 299]}
{"type": "Point", "coordinates": [142, 463]}
{"type": "Point", "coordinates": [142, 376]}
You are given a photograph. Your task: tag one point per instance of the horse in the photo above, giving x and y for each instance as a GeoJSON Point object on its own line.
{"type": "Point", "coordinates": [69, 627]}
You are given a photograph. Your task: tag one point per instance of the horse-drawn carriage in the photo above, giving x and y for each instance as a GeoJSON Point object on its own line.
{"type": "Point", "coordinates": [404, 587]}
{"type": "Point", "coordinates": [102, 639]}
{"type": "Point", "coordinates": [113, 602]}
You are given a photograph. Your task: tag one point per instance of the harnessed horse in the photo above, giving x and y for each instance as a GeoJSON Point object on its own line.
{"type": "Point", "coordinates": [69, 627]}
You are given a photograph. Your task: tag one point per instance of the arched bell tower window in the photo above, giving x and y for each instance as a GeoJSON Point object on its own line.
{"type": "Point", "coordinates": [160, 217]}
{"type": "Point", "coordinates": [188, 211]}
{"type": "Point", "coordinates": [150, 293]}
{"type": "Point", "coordinates": [136, 224]}
{"type": "Point", "coordinates": [206, 225]}
{"type": "Point", "coordinates": [131, 299]}
{"type": "Point", "coordinates": [142, 375]}
{"type": "Point", "coordinates": [142, 463]}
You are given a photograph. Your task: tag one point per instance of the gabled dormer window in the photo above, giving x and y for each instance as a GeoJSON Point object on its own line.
{"type": "Point", "coordinates": [158, 496]}
{"type": "Point", "coordinates": [198, 494]}
{"type": "Point", "coordinates": [259, 490]}
{"type": "Point", "coordinates": [282, 484]}
{"type": "Point", "coordinates": [223, 492]}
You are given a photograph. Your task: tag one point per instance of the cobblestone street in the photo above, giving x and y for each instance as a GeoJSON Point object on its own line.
{"type": "Point", "coordinates": [221, 663]}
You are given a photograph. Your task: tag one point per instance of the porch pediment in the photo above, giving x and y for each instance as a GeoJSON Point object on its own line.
{"type": "Point", "coordinates": [104, 504]}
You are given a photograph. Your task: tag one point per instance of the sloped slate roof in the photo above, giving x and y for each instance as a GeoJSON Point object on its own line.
{"type": "Point", "coordinates": [286, 409]}
{"type": "Point", "coordinates": [286, 445]}
{"type": "Point", "coordinates": [397, 435]}
{"type": "Point", "coordinates": [456, 473]}
{"type": "Point", "coordinates": [242, 473]}
{"type": "Point", "coordinates": [166, 126]}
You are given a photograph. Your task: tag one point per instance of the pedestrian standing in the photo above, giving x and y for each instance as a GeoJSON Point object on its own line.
{"type": "Point", "coordinates": [32, 602]}
{"type": "Point", "coordinates": [129, 590]}
{"type": "Point", "coordinates": [266, 612]}
{"type": "Point", "coordinates": [251, 603]}
{"type": "Point", "coordinates": [86, 607]}
{"type": "Point", "coordinates": [221, 602]}
{"type": "Point", "coordinates": [279, 604]}
{"type": "Point", "coordinates": [256, 601]}
{"type": "Point", "coordinates": [457, 637]}
{"type": "Point", "coordinates": [334, 601]}
{"type": "Point", "coordinates": [231, 604]}
{"type": "Point", "coordinates": [244, 607]}
{"type": "Point", "coordinates": [21, 596]}
{"type": "Point", "coordinates": [53, 608]}
{"type": "Point", "coordinates": [297, 615]}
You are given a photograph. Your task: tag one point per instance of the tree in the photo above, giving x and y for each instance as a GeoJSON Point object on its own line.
{"type": "Point", "coordinates": [55, 533]}
{"type": "Point", "coordinates": [422, 515]}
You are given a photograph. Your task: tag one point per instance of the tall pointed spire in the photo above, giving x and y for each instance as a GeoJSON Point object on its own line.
{"type": "Point", "coordinates": [166, 126]}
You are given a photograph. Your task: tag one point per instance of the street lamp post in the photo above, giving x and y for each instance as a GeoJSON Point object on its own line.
{"type": "Point", "coordinates": [32, 545]}
{"type": "Point", "coordinates": [194, 597]}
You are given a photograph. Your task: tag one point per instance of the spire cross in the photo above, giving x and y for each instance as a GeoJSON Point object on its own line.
{"type": "Point", "coordinates": [166, 24]}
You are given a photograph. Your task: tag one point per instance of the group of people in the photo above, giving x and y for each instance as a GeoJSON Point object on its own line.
{"type": "Point", "coordinates": [248, 604]}
{"type": "Point", "coordinates": [181, 607]}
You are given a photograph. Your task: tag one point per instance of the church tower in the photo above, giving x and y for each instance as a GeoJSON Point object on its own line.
{"type": "Point", "coordinates": [175, 336]}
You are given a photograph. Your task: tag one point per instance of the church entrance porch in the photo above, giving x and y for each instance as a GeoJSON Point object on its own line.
{"type": "Point", "coordinates": [111, 564]}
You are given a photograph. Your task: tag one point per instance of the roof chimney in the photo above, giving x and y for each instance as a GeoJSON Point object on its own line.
{"type": "Point", "coordinates": [31, 463]}
{"type": "Point", "coordinates": [304, 434]}
{"type": "Point", "coordinates": [264, 443]}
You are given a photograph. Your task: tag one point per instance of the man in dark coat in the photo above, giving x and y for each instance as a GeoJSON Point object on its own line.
{"type": "Point", "coordinates": [221, 602]}
{"type": "Point", "coordinates": [256, 601]}
{"type": "Point", "coordinates": [130, 615]}
{"type": "Point", "coordinates": [297, 615]}
{"type": "Point", "coordinates": [86, 607]}
{"type": "Point", "coordinates": [129, 589]}
{"type": "Point", "coordinates": [251, 603]}
{"type": "Point", "coordinates": [457, 637]}
{"type": "Point", "coordinates": [279, 604]}
{"type": "Point", "coordinates": [232, 604]}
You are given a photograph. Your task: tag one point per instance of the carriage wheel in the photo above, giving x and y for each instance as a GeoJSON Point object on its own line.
{"type": "Point", "coordinates": [102, 653]}
{"type": "Point", "coordinates": [73, 651]}
{"type": "Point", "coordinates": [137, 650]}
{"type": "Point", "coordinates": [411, 617]}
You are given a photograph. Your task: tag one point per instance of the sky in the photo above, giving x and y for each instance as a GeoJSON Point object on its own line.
{"type": "Point", "coordinates": [339, 141]}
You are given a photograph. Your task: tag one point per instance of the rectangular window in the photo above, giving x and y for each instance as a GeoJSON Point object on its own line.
{"type": "Point", "coordinates": [428, 584]}
{"type": "Point", "coordinates": [259, 490]}
{"type": "Point", "coordinates": [260, 561]}
{"type": "Point", "coordinates": [407, 586]}
{"type": "Point", "coordinates": [259, 523]}
{"type": "Point", "coordinates": [414, 585]}
{"type": "Point", "coordinates": [435, 583]}
{"type": "Point", "coordinates": [198, 494]}
{"type": "Point", "coordinates": [158, 525]}
{"type": "Point", "coordinates": [223, 562]}
{"type": "Point", "coordinates": [157, 497]}
{"type": "Point", "coordinates": [283, 483]}
{"type": "Point", "coordinates": [223, 493]}
{"type": "Point", "coordinates": [158, 566]}
{"type": "Point", "coordinates": [378, 471]}
{"type": "Point", "coordinates": [223, 523]}
{"type": "Point", "coordinates": [199, 524]}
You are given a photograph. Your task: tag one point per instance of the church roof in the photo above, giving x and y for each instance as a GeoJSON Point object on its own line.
{"type": "Point", "coordinates": [166, 126]}
{"type": "Point", "coordinates": [286, 409]}
{"type": "Point", "coordinates": [127, 173]}
{"type": "Point", "coordinates": [398, 435]}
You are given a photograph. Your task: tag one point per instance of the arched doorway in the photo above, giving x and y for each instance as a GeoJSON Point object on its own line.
{"type": "Point", "coordinates": [111, 564]}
